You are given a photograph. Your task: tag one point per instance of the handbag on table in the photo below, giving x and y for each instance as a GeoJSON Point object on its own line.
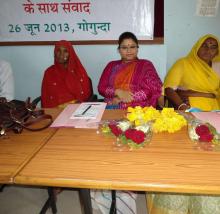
{"type": "Point", "coordinates": [17, 115]}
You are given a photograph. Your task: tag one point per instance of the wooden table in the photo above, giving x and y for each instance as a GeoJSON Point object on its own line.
{"type": "Point", "coordinates": [17, 149]}
{"type": "Point", "coordinates": [82, 158]}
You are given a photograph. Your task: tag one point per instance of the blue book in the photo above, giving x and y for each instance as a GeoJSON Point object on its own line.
{"type": "Point", "coordinates": [193, 109]}
{"type": "Point", "coordinates": [112, 107]}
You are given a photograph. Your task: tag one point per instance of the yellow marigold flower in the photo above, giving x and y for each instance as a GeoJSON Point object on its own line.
{"type": "Point", "coordinates": [150, 113]}
{"type": "Point", "coordinates": [130, 109]}
{"type": "Point", "coordinates": [166, 120]}
{"type": "Point", "coordinates": [105, 129]}
{"type": "Point", "coordinates": [131, 117]}
{"type": "Point", "coordinates": [169, 121]}
{"type": "Point", "coordinates": [138, 122]}
{"type": "Point", "coordinates": [135, 114]}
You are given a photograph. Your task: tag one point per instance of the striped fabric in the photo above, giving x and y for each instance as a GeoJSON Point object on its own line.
{"type": "Point", "coordinates": [125, 201]}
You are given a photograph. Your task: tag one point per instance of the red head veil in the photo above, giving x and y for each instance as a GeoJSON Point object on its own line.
{"type": "Point", "coordinates": [74, 62]}
{"type": "Point", "coordinates": [78, 80]}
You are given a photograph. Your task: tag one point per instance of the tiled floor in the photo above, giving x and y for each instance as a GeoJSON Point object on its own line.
{"type": "Point", "coordinates": [28, 200]}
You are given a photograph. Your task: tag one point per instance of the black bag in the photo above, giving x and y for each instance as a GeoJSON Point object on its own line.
{"type": "Point", "coordinates": [16, 115]}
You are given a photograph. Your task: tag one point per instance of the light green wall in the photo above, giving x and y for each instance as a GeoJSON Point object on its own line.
{"type": "Point", "coordinates": [182, 29]}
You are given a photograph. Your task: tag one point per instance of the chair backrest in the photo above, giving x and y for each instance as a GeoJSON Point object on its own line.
{"type": "Point", "coordinates": [91, 86]}
{"type": "Point", "coordinates": [36, 101]}
{"type": "Point", "coordinates": [93, 97]}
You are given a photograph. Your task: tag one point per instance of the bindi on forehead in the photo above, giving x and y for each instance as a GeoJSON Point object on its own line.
{"type": "Point", "coordinates": [128, 41]}
{"type": "Point", "coordinates": [210, 41]}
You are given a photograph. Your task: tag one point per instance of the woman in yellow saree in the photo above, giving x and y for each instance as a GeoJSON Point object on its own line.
{"type": "Point", "coordinates": [193, 81]}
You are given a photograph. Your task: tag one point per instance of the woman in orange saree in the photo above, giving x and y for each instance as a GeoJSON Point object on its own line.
{"type": "Point", "coordinates": [126, 82]}
{"type": "Point", "coordinates": [130, 81]}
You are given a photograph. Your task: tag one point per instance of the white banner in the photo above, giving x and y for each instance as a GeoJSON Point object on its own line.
{"type": "Point", "coordinates": [46, 20]}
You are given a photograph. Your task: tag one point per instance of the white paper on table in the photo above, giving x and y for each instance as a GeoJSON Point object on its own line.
{"type": "Point", "coordinates": [87, 111]}
{"type": "Point", "coordinates": [67, 119]}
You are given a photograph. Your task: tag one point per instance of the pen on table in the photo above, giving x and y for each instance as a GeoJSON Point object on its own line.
{"type": "Point", "coordinates": [86, 109]}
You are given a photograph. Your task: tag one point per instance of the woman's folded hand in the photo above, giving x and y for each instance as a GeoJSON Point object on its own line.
{"type": "Point", "coordinates": [124, 95]}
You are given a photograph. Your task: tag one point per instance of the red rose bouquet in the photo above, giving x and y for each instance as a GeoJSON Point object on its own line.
{"type": "Point", "coordinates": [202, 132]}
{"type": "Point", "coordinates": [126, 133]}
{"type": "Point", "coordinates": [136, 130]}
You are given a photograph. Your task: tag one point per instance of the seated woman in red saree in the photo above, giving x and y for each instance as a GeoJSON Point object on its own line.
{"type": "Point", "coordinates": [66, 81]}
{"type": "Point", "coordinates": [130, 81]}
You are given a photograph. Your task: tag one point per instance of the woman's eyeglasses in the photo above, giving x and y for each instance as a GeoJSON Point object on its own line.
{"type": "Point", "coordinates": [125, 48]}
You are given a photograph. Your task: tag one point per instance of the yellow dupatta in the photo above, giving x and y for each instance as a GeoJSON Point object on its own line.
{"type": "Point", "coordinates": [193, 73]}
